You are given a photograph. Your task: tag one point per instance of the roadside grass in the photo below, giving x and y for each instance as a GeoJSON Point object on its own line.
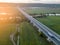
{"type": "Point", "coordinates": [29, 36]}
{"type": "Point", "coordinates": [5, 31]}
{"type": "Point", "coordinates": [52, 22]}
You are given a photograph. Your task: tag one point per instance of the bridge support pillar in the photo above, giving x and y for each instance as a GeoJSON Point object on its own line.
{"type": "Point", "coordinates": [39, 30]}
{"type": "Point", "coordinates": [30, 21]}
{"type": "Point", "coordinates": [33, 24]}
{"type": "Point", "coordinates": [48, 39]}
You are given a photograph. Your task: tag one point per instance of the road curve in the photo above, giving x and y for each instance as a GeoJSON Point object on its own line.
{"type": "Point", "coordinates": [12, 39]}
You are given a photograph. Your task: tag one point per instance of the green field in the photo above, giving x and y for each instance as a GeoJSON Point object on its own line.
{"type": "Point", "coordinates": [44, 10]}
{"type": "Point", "coordinates": [52, 22]}
{"type": "Point", "coordinates": [5, 31]}
{"type": "Point", "coordinates": [7, 26]}
{"type": "Point", "coordinates": [29, 36]}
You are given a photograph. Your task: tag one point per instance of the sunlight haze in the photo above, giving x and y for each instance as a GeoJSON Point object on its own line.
{"type": "Point", "coordinates": [31, 1]}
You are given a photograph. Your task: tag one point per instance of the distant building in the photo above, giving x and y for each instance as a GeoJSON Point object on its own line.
{"type": "Point", "coordinates": [52, 14]}
{"type": "Point", "coordinates": [57, 14]}
{"type": "Point", "coordinates": [39, 16]}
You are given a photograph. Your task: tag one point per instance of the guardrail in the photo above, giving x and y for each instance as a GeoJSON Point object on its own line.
{"type": "Point", "coordinates": [54, 37]}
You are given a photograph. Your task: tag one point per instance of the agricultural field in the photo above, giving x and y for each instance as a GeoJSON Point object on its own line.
{"type": "Point", "coordinates": [29, 36]}
{"type": "Point", "coordinates": [52, 22]}
{"type": "Point", "coordinates": [43, 10]}
{"type": "Point", "coordinates": [5, 31]}
{"type": "Point", "coordinates": [7, 24]}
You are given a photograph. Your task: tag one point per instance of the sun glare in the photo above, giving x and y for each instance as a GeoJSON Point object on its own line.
{"type": "Point", "coordinates": [3, 13]}
{"type": "Point", "coordinates": [1, 18]}
{"type": "Point", "coordinates": [10, 17]}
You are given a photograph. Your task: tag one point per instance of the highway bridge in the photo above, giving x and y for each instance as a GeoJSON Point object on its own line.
{"type": "Point", "coordinates": [51, 35]}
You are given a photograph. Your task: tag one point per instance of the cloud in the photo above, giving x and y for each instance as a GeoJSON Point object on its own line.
{"type": "Point", "coordinates": [32, 1]}
{"type": "Point", "coordinates": [45, 1]}
{"type": "Point", "coordinates": [14, 1]}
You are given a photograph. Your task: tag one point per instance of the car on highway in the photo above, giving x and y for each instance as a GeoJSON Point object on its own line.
{"type": "Point", "coordinates": [50, 34]}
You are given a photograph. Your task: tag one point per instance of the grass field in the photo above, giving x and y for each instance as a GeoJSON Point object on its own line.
{"type": "Point", "coordinates": [52, 22]}
{"type": "Point", "coordinates": [5, 31]}
{"type": "Point", "coordinates": [43, 10]}
{"type": "Point", "coordinates": [29, 36]}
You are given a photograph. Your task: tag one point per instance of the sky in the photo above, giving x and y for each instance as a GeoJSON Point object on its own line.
{"type": "Point", "coordinates": [32, 1]}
